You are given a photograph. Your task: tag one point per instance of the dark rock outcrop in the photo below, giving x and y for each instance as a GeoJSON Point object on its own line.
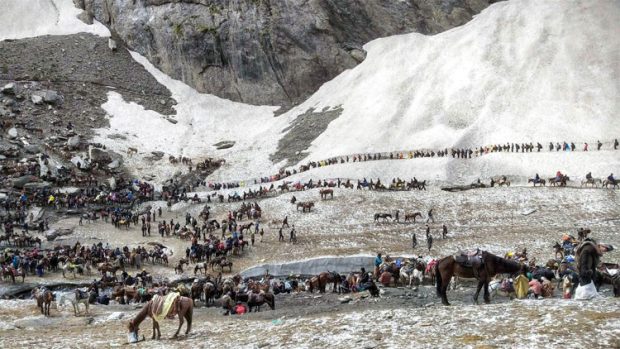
{"type": "Point", "coordinates": [267, 51]}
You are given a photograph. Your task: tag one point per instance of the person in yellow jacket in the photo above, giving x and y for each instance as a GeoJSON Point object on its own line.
{"type": "Point", "coordinates": [51, 199]}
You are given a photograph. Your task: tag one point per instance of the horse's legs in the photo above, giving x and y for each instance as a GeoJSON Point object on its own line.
{"type": "Point", "coordinates": [487, 298]}
{"type": "Point", "coordinates": [445, 282]}
{"type": "Point", "coordinates": [480, 284]}
{"type": "Point", "coordinates": [154, 329]}
{"type": "Point", "coordinates": [180, 325]}
{"type": "Point", "coordinates": [188, 318]}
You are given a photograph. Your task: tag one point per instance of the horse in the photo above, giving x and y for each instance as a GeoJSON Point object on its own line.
{"type": "Point", "coordinates": [44, 299]}
{"type": "Point", "coordinates": [305, 206]}
{"type": "Point", "coordinates": [607, 183]}
{"type": "Point", "coordinates": [182, 306]}
{"type": "Point", "coordinates": [178, 269]}
{"type": "Point", "coordinates": [75, 298]}
{"type": "Point", "coordinates": [201, 266]}
{"type": "Point", "coordinates": [409, 275]}
{"type": "Point", "coordinates": [409, 216]}
{"type": "Point", "coordinates": [487, 267]}
{"type": "Point", "coordinates": [561, 182]}
{"type": "Point", "coordinates": [383, 216]}
{"type": "Point", "coordinates": [587, 258]}
{"type": "Point", "coordinates": [210, 291]}
{"type": "Point", "coordinates": [592, 181]}
{"type": "Point", "coordinates": [540, 181]}
{"type": "Point", "coordinates": [256, 300]}
{"type": "Point", "coordinates": [12, 273]}
{"type": "Point", "coordinates": [326, 278]}
{"type": "Point", "coordinates": [325, 192]}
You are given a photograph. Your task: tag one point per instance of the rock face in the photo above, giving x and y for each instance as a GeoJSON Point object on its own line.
{"type": "Point", "coordinates": [267, 51]}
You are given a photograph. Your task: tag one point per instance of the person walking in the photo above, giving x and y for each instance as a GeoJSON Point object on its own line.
{"type": "Point", "coordinates": [414, 241]}
{"type": "Point", "coordinates": [444, 232]}
{"type": "Point", "coordinates": [429, 242]}
{"type": "Point", "coordinates": [280, 235]}
{"type": "Point", "coordinates": [430, 216]}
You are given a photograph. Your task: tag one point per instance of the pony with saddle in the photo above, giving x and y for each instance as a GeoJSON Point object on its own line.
{"type": "Point", "coordinates": [477, 264]}
{"type": "Point", "coordinates": [162, 307]}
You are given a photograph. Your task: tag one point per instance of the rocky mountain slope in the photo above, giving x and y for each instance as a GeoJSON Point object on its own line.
{"type": "Point", "coordinates": [264, 51]}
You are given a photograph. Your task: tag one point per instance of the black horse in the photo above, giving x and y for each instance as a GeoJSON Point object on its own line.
{"type": "Point", "coordinates": [587, 257]}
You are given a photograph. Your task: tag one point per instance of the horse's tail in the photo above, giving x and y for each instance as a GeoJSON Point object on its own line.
{"type": "Point", "coordinates": [438, 279]}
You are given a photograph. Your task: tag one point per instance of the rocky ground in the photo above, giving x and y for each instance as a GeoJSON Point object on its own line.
{"type": "Point", "coordinates": [495, 219]}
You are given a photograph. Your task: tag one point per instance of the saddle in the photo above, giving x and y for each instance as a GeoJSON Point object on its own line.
{"type": "Point", "coordinates": [469, 259]}
{"type": "Point", "coordinates": [165, 306]}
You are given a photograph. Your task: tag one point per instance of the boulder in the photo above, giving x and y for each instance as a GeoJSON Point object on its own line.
{"type": "Point", "coordinates": [32, 148]}
{"type": "Point", "coordinates": [112, 183]}
{"type": "Point", "coordinates": [47, 96]}
{"type": "Point", "coordinates": [224, 144]}
{"type": "Point", "coordinates": [99, 156]}
{"type": "Point", "coordinates": [8, 89]}
{"type": "Point", "coordinates": [73, 142]}
{"type": "Point", "coordinates": [36, 99]}
{"type": "Point", "coordinates": [20, 182]}
{"type": "Point", "coordinates": [158, 154]}
{"type": "Point", "coordinates": [37, 186]}
{"type": "Point", "coordinates": [114, 164]}
{"type": "Point", "coordinates": [12, 133]}
{"type": "Point", "coordinates": [52, 234]}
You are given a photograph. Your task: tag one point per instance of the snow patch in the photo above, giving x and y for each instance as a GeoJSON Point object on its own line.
{"type": "Point", "coordinates": [24, 19]}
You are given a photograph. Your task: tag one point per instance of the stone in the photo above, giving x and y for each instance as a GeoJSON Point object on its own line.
{"type": "Point", "coordinates": [12, 133]}
{"type": "Point", "coordinates": [99, 156]}
{"type": "Point", "coordinates": [8, 89]}
{"type": "Point", "coordinates": [37, 186]}
{"type": "Point", "coordinates": [32, 148]}
{"type": "Point", "coordinates": [171, 120]}
{"type": "Point", "coordinates": [112, 183]}
{"type": "Point", "coordinates": [36, 99]}
{"type": "Point", "coordinates": [51, 97]}
{"type": "Point", "coordinates": [114, 164]}
{"type": "Point", "coordinates": [358, 55]}
{"type": "Point", "coordinates": [158, 154]}
{"type": "Point", "coordinates": [20, 182]}
{"type": "Point", "coordinates": [73, 142]}
{"type": "Point", "coordinates": [224, 144]}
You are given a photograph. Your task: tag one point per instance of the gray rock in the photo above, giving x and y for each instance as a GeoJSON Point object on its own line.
{"type": "Point", "coordinates": [112, 183]}
{"type": "Point", "coordinates": [37, 185]}
{"type": "Point", "coordinates": [224, 144]}
{"type": "Point", "coordinates": [12, 133]}
{"type": "Point", "coordinates": [51, 97]}
{"type": "Point", "coordinates": [171, 120]}
{"type": "Point", "coordinates": [114, 164]}
{"type": "Point", "coordinates": [73, 142]}
{"type": "Point", "coordinates": [8, 89]}
{"type": "Point", "coordinates": [32, 148]}
{"type": "Point", "coordinates": [20, 182]}
{"type": "Point", "coordinates": [267, 52]}
{"type": "Point", "coordinates": [358, 55]}
{"type": "Point", "coordinates": [52, 234]}
{"type": "Point", "coordinates": [36, 99]}
{"type": "Point", "coordinates": [99, 156]}
{"type": "Point", "coordinates": [158, 154]}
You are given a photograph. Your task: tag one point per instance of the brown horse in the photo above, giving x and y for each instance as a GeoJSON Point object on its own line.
{"type": "Point", "coordinates": [182, 306]}
{"type": "Point", "coordinates": [256, 300]}
{"type": "Point", "coordinates": [44, 299]}
{"type": "Point", "coordinates": [179, 267]}
{"type": "Point", "coordinates": [413, 216]}
{"type": "Point", "coordinates": [305, 206]}
{"type": "Point", "coordinates": [326, 278]}
{"type": "Point", "coordinates": [325, 192]}
{"type": "Point", "coordinates": [587, 258]}
{"type": "Point", "coordinates": [484, 270]}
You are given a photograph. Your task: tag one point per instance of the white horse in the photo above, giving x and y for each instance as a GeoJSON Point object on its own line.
{"type": "Point", "coordinates": [593, 181]}
{"type": "Point", "coordinates": [75, 298]}
{"type": "Point", "coordinates": [408, 278]}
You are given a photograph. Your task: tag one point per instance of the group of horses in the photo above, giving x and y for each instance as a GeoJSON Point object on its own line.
{"type": "Point", "coordinates": [562, 181]}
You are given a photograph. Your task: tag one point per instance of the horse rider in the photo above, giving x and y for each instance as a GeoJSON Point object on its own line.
{"type": "Point", "coordinates": [537, 178]}
{"type": "Point", "coordinates": [558, 176]}
{"type": "Point", "coordinates": [589, 176]}
{"type": "Point", "coordinates": [611, 179]}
